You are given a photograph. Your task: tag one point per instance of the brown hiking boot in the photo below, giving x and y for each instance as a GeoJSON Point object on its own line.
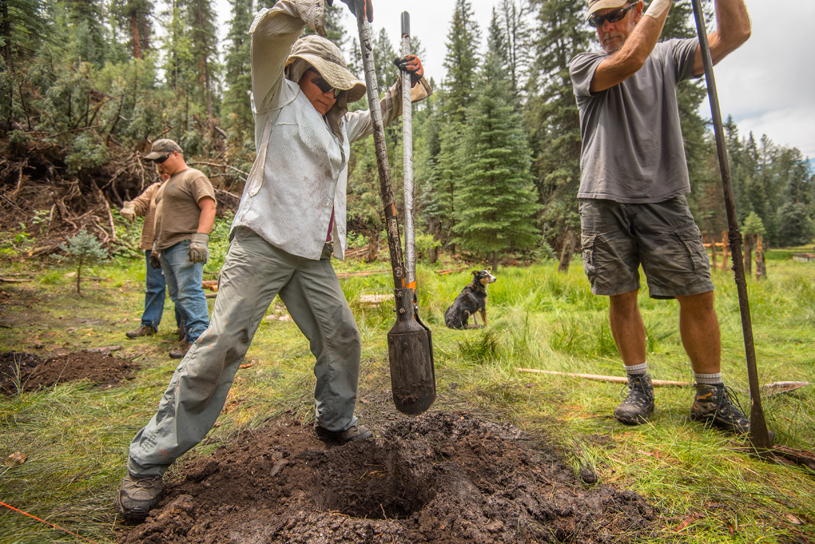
{"type": "Point", "coordinates": [137, 495]}
{"type": "Point", "coordinates": [639, 404]}
{"type": "Point", "coordinates": [357, 432]}
{"type": "Point", "coordinates": [144, 330]}
{"type": "Point", "coordinates": [181, 350]}
{"type": "Point", "coordinates": [182, 335]}
{"type": "Point", "coordinates": [712, 405]}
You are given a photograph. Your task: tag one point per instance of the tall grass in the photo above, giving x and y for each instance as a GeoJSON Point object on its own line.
{"type": "Point", "coordinates": [77, 436]}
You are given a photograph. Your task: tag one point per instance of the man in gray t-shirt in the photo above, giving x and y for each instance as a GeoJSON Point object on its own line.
{"type": "Point", "coordinates": [634, 178]}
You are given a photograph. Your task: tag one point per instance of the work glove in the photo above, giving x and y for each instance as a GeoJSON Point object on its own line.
{"type": "Point", "coordinates": [198, 251]}
{"type": "Point", "coordinates": [367, 6]}
{"type": "Point", "coordinates": [412, 64]}
{"type": "Point", "coordinates": [128, 211]}
{"type": "Point", "coordinates": [155, 258]}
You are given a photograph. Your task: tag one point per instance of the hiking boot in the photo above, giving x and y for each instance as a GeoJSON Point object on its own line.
{"type": "Point", "coordinates": [181, 350]}
{"type": "Point", "coordinates": [182, 335]}
{"type": "Point", "coordinates": [357, 432]}
{"type": "Point", "coordinates": [713, 406]}
{"type": "Point", "coordinates": [639, 404]}
{"type": "Point", "coordinates": [144, 330]}
{"type": "Point", "coordinates": [137, 496]}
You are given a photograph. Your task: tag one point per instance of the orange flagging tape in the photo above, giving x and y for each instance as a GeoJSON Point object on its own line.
{"type": "Point", "coordinates": [47, 523]}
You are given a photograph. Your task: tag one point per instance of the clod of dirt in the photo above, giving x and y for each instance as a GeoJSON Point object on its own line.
{"type": "Point", "coordinates": [439, 478]}
{"type": "Point", "coordinates": [28, 372]}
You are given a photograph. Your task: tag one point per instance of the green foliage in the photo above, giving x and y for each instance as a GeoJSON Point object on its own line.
{"type": "Point", "coordinates": [83, 249]}
{"type": "Point", "coordinates": [753, 224]}
{"type": "Point", "coordinates": [496, 199]}
{"type": "Point", "coordinates": [461, 61]}
{"type": "Point", "coordinates": [795, 226]}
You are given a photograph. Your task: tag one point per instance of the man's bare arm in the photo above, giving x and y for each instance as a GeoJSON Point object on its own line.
{"type": "Point", "coordinates": [732, 30]}
{"type": "Point", "coordinates": [207, 217]}
{"type": "Point", "coordinates": [624, 63]}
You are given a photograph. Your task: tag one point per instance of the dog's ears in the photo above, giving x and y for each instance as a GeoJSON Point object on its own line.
{"type": "Point", "coordinates": [475, 272]}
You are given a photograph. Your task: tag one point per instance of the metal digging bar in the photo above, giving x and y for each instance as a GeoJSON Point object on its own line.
{"type": "Point", "coordinates": [759, 437]}
{"type": "Point", "coordinates": [409, 353]}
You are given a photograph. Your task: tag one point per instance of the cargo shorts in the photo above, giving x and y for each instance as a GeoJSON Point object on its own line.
{"type": "Point", "coordinates": [662, 237]}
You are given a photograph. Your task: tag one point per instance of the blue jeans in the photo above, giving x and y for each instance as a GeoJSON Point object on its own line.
{"type": "Point", "coordinates": [154, 296]}
{"type": "Point", "coordinates": [184, 283]}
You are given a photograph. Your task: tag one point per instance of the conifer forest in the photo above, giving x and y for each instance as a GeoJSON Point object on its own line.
{"type": "Point", "coordinates": [86, 85]}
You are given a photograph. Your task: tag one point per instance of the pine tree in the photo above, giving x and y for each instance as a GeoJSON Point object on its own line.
{"type": "Point", "coordinates": [204, 44]}
{"type": "Point", "coordinates": [237, 112]}
{"type": "Point", "coordinates": [133, 18]}
{"type": "Point", "coordinates": [83, 249]}
{"type": "Point", "coordinates": [553, 118]}
{"type": "Point", "coordinates": [461, 60]}
{"type": "Point", "coordinates": [496, 201]}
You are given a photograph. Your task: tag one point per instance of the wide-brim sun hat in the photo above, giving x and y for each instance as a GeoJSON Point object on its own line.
{"type": "Point", "coordinates": [325, 57]}
{"type": "Point", "coordinates": [597, 5]}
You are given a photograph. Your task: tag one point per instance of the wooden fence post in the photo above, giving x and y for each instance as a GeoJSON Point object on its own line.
{"type": "Point", "coordinates": [761, 270]}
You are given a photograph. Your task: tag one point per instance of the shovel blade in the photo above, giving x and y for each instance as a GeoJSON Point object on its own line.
{"type": "Point", "coordinates": [410, 352]}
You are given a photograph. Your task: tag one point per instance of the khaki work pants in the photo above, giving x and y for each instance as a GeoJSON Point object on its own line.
{"type": "Point", "coordinates": [253, 273]}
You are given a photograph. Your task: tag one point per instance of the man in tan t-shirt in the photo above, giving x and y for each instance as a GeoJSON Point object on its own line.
{"type": "Point", "coordinates": [155, 286]}
{"type": "Point", "coordinates": [185, 213]}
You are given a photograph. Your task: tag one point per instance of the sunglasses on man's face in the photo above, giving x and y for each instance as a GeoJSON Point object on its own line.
{"type": "Point", "coordinates": [162, 159]}
{"type": "Point", "coordinates": [325, 87]}
{"type": "Point", "coordinates": [614, 17]}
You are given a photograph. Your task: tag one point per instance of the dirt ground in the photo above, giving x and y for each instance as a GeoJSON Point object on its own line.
{"type": "Point", "coordinates": [438, 478]}
{"type": "Point", "coordinates": [30, 372]}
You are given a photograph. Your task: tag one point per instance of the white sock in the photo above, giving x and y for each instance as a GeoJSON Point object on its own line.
{"type": "Point", "coordinates": [637, 370]}
{"type": "Point", "coordinates": [708, 379]}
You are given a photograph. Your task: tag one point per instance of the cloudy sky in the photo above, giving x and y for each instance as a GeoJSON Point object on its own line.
{"type": "Point", "coordinates": [766, 85]}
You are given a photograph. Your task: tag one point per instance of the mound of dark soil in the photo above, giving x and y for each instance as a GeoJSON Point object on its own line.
{"type": "Point", "coordinates": [14, 367]}
{"type": "Point", "coordinates": [439, 478]}
{"type": "Point", "coordinates": [32, 372]}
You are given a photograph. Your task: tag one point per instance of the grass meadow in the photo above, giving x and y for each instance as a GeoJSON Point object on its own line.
{"type": "Point", "coordinates": [76, 436]}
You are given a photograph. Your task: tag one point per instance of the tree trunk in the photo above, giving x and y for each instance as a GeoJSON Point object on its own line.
{"type": "Point", "coordinates": [566, 253]}
{"type": "Point", "coordinates": [134, 30]}
{"type": "Point", "coordinates": [495, 261]}
{"type": "Point", "coordinates": [373, 246]}
{"type": "Point", "coordinates": [433, 252]}
{"type": "Point", "coordinates": [748, 255]}
{"type": "Point", "coordinates": [6, 33]}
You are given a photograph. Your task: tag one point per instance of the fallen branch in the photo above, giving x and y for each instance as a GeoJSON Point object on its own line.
{"type": "Point", "coordinates": [597, 377]}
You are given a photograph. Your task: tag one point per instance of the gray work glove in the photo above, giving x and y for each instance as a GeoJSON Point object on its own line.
{"type": "Point", "coordinates": [367, 7]}
{"type": "Point", "coordinates": [128, 211]}
{"type": "Point", "coordinates": [155, 258]}
{"type": "Point", "coordinates": [198, 247]}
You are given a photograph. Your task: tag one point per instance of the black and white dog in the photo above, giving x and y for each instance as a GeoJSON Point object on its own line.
{"type": "Point", "coordinates": [471, 299]}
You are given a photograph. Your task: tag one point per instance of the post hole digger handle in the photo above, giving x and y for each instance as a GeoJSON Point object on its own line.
{"type": "Point", "coordinates": [407, 154]}
{"type": "Point", "coordinates": [410, 352]}
{"type": "Point", "coordinates": [759, 436]}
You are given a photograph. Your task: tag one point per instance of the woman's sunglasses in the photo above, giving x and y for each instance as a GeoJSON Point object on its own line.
{"type": "Point", "coordinates": [614, 17]}
{"type": "Point", "coordinates": [324, 86]}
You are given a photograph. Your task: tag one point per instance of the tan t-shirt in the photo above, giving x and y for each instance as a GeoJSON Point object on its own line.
{"type": "Point", "coordinates": [177, 210]}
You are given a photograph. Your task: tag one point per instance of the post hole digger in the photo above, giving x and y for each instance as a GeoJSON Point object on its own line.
{"type": "Point", "coordinates": [410, 347]}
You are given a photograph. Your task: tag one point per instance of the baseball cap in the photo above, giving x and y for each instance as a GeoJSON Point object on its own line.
{"type": "Point", "coordinates": [597, 5]}
{"type": "Point", "coordinates": [162, 147]}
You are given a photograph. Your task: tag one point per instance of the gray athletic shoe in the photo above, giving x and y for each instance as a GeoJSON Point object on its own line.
{"type": "Point", "coordinates": [137, 496]}
{"type": "Point", "coordinates": [357, 432]}
{"type": "Point", "coordinates": [639, 404]}
{"type": "Point", "coordinates": [712, 405]}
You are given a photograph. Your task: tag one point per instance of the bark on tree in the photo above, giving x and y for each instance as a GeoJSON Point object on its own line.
{"type": "Point", "coordinates": [566, 254]}
{"type": "Point", "coordinates": [134, 30]}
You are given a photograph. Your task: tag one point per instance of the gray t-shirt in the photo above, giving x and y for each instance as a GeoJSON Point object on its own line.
{"type": "Point", "coordinates": [632, 139]}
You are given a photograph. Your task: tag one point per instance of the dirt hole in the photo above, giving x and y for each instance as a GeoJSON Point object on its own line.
{"type": "Point", "coordinates": [440, 478]}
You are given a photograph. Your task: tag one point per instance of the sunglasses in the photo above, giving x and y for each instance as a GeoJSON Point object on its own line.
{"type": "Point", "coordinates": [325, 87]}
{"type": "Point", "coordinates": [162, 159]}
{"type": "Point", "coordinates": [614, 17]}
